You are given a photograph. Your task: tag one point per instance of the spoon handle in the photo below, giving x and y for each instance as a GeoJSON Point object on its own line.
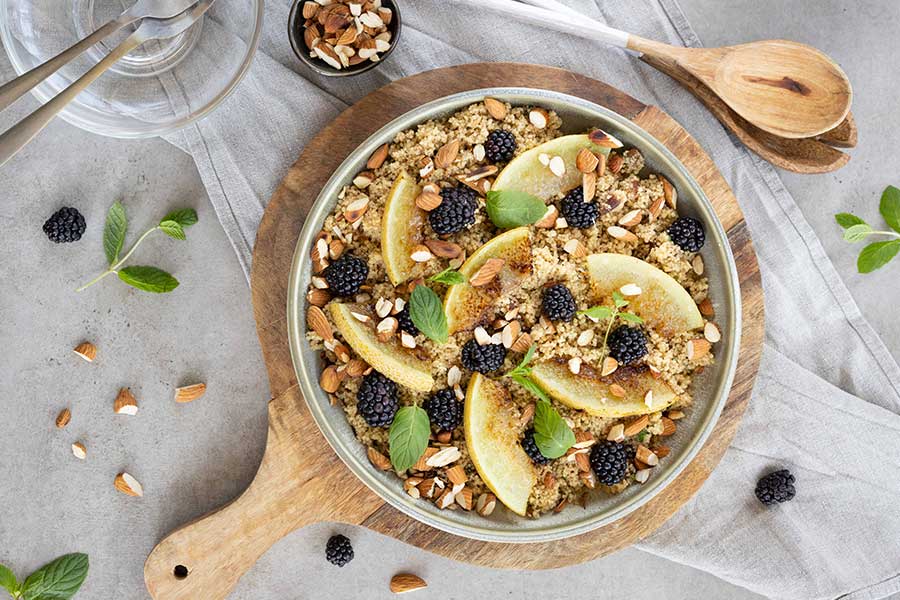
{"type": "Point", "coordinates": [13, 90]}
{"type": "Point", "coordinates": [15, 138]}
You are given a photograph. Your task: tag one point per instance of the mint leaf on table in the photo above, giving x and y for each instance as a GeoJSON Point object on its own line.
{"type": "Point", "coordinates": [172, 229]}
{"type": "Point", "coordinates": [408, 436]}
{"type": "Point", "coordinates": [148, 279]}
{"type": "Point", "coordinates": [512, 208]}
{"type": "Point", "coordinates": [876, 255]}
{"type": "Point", "coordinates": [184, 217]}
{"type": "Point", "coordinates": [847, 220]}
{"type": "Point", "coordinates": [427, 313]}
{"type": "Point", "coordinates": [552, 434]}
{"type": "Point", "coordinates": [890, 207]}
{"type": "Point", "coordinates": [857, 233]}
{"type": "Point", "coordinates": [9, 582]}
{"type": "Point", "coordinates": [114, 232]}
{"type": "Point", "coordinates": [57, 580]}
{"type": "Point", "coordinates": [449, 276]}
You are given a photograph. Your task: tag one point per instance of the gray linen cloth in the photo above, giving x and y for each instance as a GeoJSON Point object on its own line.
{"type": "Point", "coordinates": [827, 399]}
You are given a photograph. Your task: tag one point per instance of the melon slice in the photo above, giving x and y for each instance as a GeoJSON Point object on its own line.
{"type": "Point", "coordinates": [493, 443]}
{"type": "Point", "coordinates": [402, 228]}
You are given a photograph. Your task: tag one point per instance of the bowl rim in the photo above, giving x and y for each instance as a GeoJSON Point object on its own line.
{"type": "Point", "coordinates": [353, 454]}
{"type": "Point", "coordinates": [79, 115]}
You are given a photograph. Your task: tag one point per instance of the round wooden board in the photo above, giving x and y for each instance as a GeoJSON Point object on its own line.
{"type": "Point", "coordinates": [301, 481]}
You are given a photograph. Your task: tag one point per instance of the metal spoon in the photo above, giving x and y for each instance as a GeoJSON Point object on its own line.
{"type": "Point", "coordinates": [160, 9]}
{"type": "Point", "coordinates": [151, 29]}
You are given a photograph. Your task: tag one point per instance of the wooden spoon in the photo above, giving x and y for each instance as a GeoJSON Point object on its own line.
{"type": "Point", "coordinates": [785, 88]}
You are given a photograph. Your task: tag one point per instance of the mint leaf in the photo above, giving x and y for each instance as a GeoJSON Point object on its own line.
{"type": "Point", "coordinates": [449, 277]}
{"type": "Point", "coordinates": [8, 581]}
{"type": "Point", "coordinates": [642, 436]}
{"type": "Point", "coordinates": [184, 217]}
{"type": "Point", "coordinates": [172, 229]}
{"type": "Point", "coordinates": [876, 255]}
{"type": "Point", "coordinates": [630, 317]}
{"type": "Point", "coordinates": [597, 312]}
{"type": "Point", "coordinates": [58, 580]}
{"type": "Point", "coordinates": [847, 220]}
{"type": "Point", "coordinates": [512, 208]}
{"type": "Point", "coordinates": [620, 300]}
{"type": "Point", "coordinates": [148, 279]}
{"type": "Point", "coordinates": [526, 382]}
{"type": "Point", "coordinates": [408, 436]}
{"type": "Point", "coordinates": [552, 434]}
{"type": "Point", "coordinates": [427, 313]}
{"type": "Point", "coordinates": [857, 233]}
{"type": "Point", "coordinates": [890, 207]}
{"type": "Point", "coordinates": [114, 232]}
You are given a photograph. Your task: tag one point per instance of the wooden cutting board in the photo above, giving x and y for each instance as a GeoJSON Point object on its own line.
{"type": "Point", "coordinates": [301, 481]}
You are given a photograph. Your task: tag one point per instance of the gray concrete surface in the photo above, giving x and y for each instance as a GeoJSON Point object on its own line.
{"type": "Point", "coordinates": [192, 458]}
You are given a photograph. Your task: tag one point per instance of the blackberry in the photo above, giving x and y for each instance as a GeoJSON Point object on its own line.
{"type": "Point", "coordinates": [499, 146]}
{"type": "Point", "coordinates": [65, 225]}
{"type": "Point", "coordinates": [455, 212]}
{"type": "Point", "coordinates": [776, 487]}
{"type": "Point", "coordinates": [376, 400]}
{"type": "Point", "coordinates": [687, 233]}
{"type": "Point", "coordinates": [576, 211]}
{"type": "Point", "coordinates": [609, 460]}
{"type": "Point", "coordinates": [627, 344]}
{"type": "Point", "coordinates": [404, 321]}
{"type": "Point", "coordinates": [338, 550]}
{"type": "Point", "coordinates": [531, 449]}
{"type": "Point", "coordinates": [483, 359]}
{"type": "Point", "coordinates": [345, 275]}
{"type": "Point", "coordinates": [444, 410]}
{"type": "Point", "coordinates": [557, 303]}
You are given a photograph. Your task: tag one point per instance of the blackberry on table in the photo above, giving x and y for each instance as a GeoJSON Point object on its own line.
{"type": "Point", "coordinates": [338, 550]}
{"type": "Point", "coordinates": [65, 225]}
{"type": "Point", "coordinates": [455, 212]}
{"type": "Point", "coordinates": [627, 344]}
{"type": "Point", "coordinates": [346, 275]}
{"type": "Point", "coordinates": [500, 146]}
{"type": "Point", "coordinates": [576, 211]}
{"type": "Point", "coordinates": [444, 410]}
{"type": "Point", "coordinates": [687, 233]}
{"type": "Point", "coordinates": [482, 359]}
{"type": "Point", "coordinates": [557, 303]}
{"type": "Point", "coordinates": [609, 460]}
{"type": "Point", "coordinates": [776, 487]}
{"type": "Point", "coordinates": [532, 450]}
{"type": "Point", "coordinates": [376, 400]}
{"type": "Point", "coordinates": [404, 321]}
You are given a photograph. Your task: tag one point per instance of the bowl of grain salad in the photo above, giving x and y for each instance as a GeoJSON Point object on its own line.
{"type": "Point", "coordinates": [514, 314]}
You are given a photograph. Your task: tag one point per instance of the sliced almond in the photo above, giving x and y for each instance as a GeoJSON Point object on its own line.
{"type": "Point", "coordinates": [378, 157]}
{"type": "Point", "coordinates": [510, 333]}
{"type": "Point", "coordinates": [319, 283]}
{"type": "Point", "coordinates": [465, 498]}
{"type": "Point", "coordinates": [335, 249]}
{"type": "Point", "coordinates": [544, 159]}
{"type": "Point", "coordinates": [583, 439]}
{"type": "Point", "coordinates": [330, 379]}
{"type": "Point", "coordinates": [642, 475]}
{"type": "Point", "coordinates": [444, 437]}
{"type": "Point", "coordinates": [125, 403]}
{"type": "Point", "coordinates": [482, 337]}
{"type": "Point", "coordinates": [575, 248]}
{"type": "Point", "coordinates": [410, 486]}
{"type": "Point", "coordinates": [426, 167]}
{"type": "Point", "coordinates": [538, 117]}
{"type": "Point", "coordinates": [630, 289]}
{"type": "Point", "coordinates": [589, 186]}
{"type": "Point", "coordinates": [522, 343]}
{"type": "Point", "coordinates": [479, 173]}
{"type": "Point", "coordinates": [379, 460]}
{"type": "Point", "coordinates": [478, 152]}
{"type": "Point", "coordinates": [79, 450]}
{"type": "Point", "coordinates": [311, 37]}
{"type": "Point", "coordinates": [559, 507]}
{"type": "Point", "coordinates": [617, 390]}
{"type": "Point", "coordinates": [63, 418]}
{"type": "Point", "coordinates": [697, 349]}
{"type": "Point", "coordinates": [586, 161]}
{"type": "Point", "coordinates": [549, 219]}
{"type": "Point", "coordinates": [668, 426]}
{"type": "Point", "coordinates": [422, 462]}
{"type": "Point", "coordinates": [488, 271]}
{"type": "Point", "coordinates": [636, 426]}
{"type": "Point", "coordinates": [655, 209]}
{"type": "Point", "coordinates": [128, 485]}
{"type": "Point", "coordinates": [557, 166]}
{"type": "Point", "coordinates": [662, 451]}
{"type": "Point", "coordinates": [454, 375]}
{"type": "Point", "coordinates": [585, 337]}
{"type": "Point", "coordinates": [361, 317]}
{"type": "Point", "coordinates": [446, 154]}
{"type": "Point", "coordinates": [86, 350]}
{"type": "Point", "coordinates": [420, 253]}
{"type": "Point", "coordinates": [444, 457]}
{"type": "Point", "coordinates": [616, 433]}
{"type": "Point", "coordinates": [318, 323]}
{"type": "Point", "coordinates": [428, 487]}
{"type": "Point", "coordinates": [356, 367]}
{"type": "Point", "coordinates": [588, 479]}
{"type": "Point", "coordinates": [670, 193]}
{"type": "Point", "coordinates": [386, 14]}
{"type": "Point", "coordinates": [443, 248]}
{"type": "Point", "coordinates": [549, 480]}
{"type": "Point", "coordinates": [575, 365]}
{"type": "Point", "coordinates": [356, 209]}
{"type": "Point", "coordinates": [318, 297]}
{"type": "Point", "coordinates": [706, 308]}
{"type": "Point", "coordinates": [383, 307]}
{"type": "Point", "coordinates": [457, 474]}
{"type": "Point", "coordinates": [614, 163]}
{"type": "Point", "coordinates": [342, 352]}
{"type": "Point", "coordinates": [326, 53]}
{"type": "Point", "coordinates": [407, 340]}
{"type": "Point", "coordinates": [583, 462]}
{"type": "Point", "coordinates": [189, 393]}
{"type": "Point", "coordinates": [631, 218]}
{"type": "Point", "coordinates": [445, 499]}
{"type": "Point", "coordinates": [485, 504]}
{"type": "Point", "coordinates": [620, 233]}
{"type": "Point", "coordinates": [609, 366]}
{"type": "Point", "coordinates": [371, 19]}
{"type": "Point", "coordinates": [648, 399]}
{"type": "Point", "coordinates": [697, 265]}
{"type": "Point", "coordinates": [363, 179]}
{"type": "Point", "coordinates": [601, 165]}
{"type": "Point", "coordinates": [428, 201]}
{"type": "Point", "coordinates": [496, 108]}
{"type": "Point", "coordinates": [386, 328]}
{"type": "Point", "coordinates": [711, 332]}
{"type": "Point", "coordinates": [646, 456]}
{"type": "Point", "coordinates": [600, 138]}
{"type": "Point", "coordinates": [310, 9]}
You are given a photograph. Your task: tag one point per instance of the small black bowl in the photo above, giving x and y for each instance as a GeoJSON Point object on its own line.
{"type": "Point", "coordinates": [298, 45]}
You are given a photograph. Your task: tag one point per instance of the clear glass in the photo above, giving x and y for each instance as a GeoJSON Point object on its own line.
{"type": "Point", "coordinates": [159, 87]}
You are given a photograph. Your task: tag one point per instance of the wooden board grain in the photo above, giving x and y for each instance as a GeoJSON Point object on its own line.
{"type": "Point", "coordinates": [296, 481]}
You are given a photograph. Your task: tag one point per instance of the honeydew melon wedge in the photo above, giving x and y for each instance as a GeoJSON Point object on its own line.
{"type": "Point", "coordinates": [663, 304]}
{"type": "Point", "coordinates": [493, 443]}
{"type": "Point", "coordinates": [388, 358]}
{"type": "Point", "coordinates": [402, 228]}
{"type": "Point", "coordinates": [465, 304]}
{"type": "Point", "coordinates": [590, 392]}
{"type": "Point", "coordinates": [526, 173]}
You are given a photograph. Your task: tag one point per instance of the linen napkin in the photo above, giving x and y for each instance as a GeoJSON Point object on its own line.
{"type": "Point", "coordinates": [827, 401]}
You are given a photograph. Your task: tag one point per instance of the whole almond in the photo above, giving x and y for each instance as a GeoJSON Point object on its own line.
{"type": "Point", "coordinates": [318, 323]}
{"type": "Point", "coordinates": [330, 380]}
{"type": "Point", "coordinates": [488, 271]}
{"type": "Point", "coordinates": [378, 157]}
{"type": "Point", "coordinates": [446, 154]}
{"type": "Point", "coordinates": [356, 367]}
{"type": "Point", "coordinates": [428, 201]}
{"type": "Point", "coordinates": [86, 350]}
{"type": "Point", "coordinates": [522, 343]}
{"type": "Point", "coordinates": [495, 108]}
{"type": "Point", "coordinates": [585, 161]}
{"type": "Point", "coordinates": [189, 393]}
{"type": "Point", "coordinates": [317, 297]}
{"type": "Point", "coordinates": [706, 308]}
{"type": "Point", "coordinates": [63, 418]}
{"type": "Point", "coordinates": [443, 248]}
{"type": "Point", "coordinates": [636, 426]}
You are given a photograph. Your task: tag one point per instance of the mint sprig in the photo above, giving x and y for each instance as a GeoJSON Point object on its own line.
{"type": "Point", "coordinates": [408, 436]}
{"type": "Point", "coordinates": [552, 434]}
{"type": "Point", "coordinates": [876, 254]}
{"type": "Point", "coordinates": [58, 580]}
{"type": "Point", "coordinates": [427, 313]}
{"type": "Point", "coordinates": [148, 279]}
{"type": "Point", "coordinates": [512, 208]}
{"type": "Point", "coordinates": [449, 276]}
{"type": "Point", "coordinates": [613, 313]}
